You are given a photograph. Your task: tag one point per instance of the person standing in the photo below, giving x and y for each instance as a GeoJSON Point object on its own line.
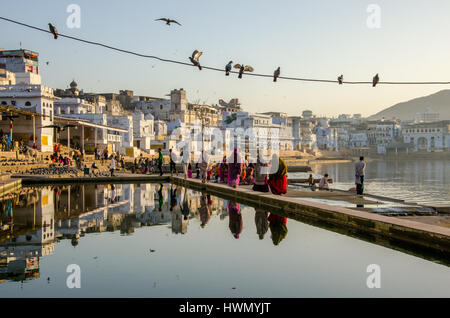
{"type": "Point", "coordinates": [160, 161]}
{"type": "Point", "coordinates": [112, 166]}
{"type": "Point", "coordinates": [234, 169]}
{"type": "Point", "coordinates": [172, 166]}
{"type": "Point", "coordinates": [203, 166]}
{"type": "Point", "coordinates": [360, 168]}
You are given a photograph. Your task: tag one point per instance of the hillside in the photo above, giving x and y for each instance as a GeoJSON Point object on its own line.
{"type": "Point", "coordinates": [438, 102]}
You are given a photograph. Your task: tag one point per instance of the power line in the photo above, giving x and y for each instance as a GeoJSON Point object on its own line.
{"type": "Point", "coordinates": [218, 69]}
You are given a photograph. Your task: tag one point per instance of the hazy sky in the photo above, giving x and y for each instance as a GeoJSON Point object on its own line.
{"type": "Point", "coordinates": [318, 39]}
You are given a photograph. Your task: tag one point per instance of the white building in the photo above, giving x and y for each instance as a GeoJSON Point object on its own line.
{"type": "Point", "coordinates": [430, 137]}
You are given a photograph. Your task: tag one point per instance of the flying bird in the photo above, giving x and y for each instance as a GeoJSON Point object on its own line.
{"type": "Point", "coordinates": [276, 74]}
{"type": "Point", "coordinates": [53, 30]}
{"type": "Point", "coordinates": [341, 79]}
{"type": "Point", "coordinates": [168, 21]}
{"type": "Point", "coordinates": [375, 80]}
{"type": "Point", "coordinates": [228, 68]}
{"type": "Point", "coordinates": [242, 69]}
{"type": "Point", "coordinates": [194, 59]}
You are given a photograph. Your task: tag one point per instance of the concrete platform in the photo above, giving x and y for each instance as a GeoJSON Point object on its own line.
{"type": "Point", "coordinates": [417, 235]}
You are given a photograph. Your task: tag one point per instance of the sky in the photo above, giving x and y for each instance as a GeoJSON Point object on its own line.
{"type": "Point", "coordinates": [309, 39]}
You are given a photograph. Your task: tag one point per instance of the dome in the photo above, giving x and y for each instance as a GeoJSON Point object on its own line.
{"type": "Point", "coordinates": [73, 84]}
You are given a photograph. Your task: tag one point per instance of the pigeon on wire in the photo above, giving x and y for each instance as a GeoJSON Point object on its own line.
{"type": "Point", "coordinates": [242, 69]}
{"type": "Point", "coordinates": [341, 79]}
{"type": "Point", "coordinates": [168, 21]}
{"type": "Point", "coordinates": [375, 80]}
{"type": "Point", "coordinates": [276, 74]}
{"type": "Point", "coordinates": [53, 30]}
{"type": "Point", "coordinates": [228, 68]}
{"type": "Point", "coordinates": [194, 59]}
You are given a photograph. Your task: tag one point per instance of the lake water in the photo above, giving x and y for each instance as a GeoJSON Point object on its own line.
{"type": "Point", "coordinates": [413, 180]}
{"type": "Point", "coordinates": [134, 241]}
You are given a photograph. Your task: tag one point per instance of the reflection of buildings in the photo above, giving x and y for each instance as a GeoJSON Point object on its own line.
{"type": "Point", "coordinates": [31, 236]}
{"type": "Point", "coordinates": [31, 223]}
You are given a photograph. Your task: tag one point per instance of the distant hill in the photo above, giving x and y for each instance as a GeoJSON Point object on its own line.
{"type": "Point", "coordinates": [438, 103]}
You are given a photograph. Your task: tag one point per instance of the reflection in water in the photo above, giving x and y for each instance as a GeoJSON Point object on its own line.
{"type": "Point", "coordinates": [235, 218]}
{"type": "Point", "coordinates": [33, 220]}
{"type": "Point", "coordinates": [262, 224]}
{"type": "Point", "coordinates": [278, 228]}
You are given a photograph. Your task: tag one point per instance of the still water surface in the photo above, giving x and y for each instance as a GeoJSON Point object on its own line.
{"type": "Point", "coordinates": [133, 241]}
{"type": "Point", "coordinates": [413, 180]}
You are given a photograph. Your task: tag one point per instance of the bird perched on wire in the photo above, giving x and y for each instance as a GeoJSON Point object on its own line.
{"type": "Point", "coordinates": [242, 69]}
{"type": "Point", "coordinates": [168, 21]}
{"type": "Point", "coordinates": [276, 74]}
{"type": "Point", "coordinates": [228, 68]}
{"type": "Point", "coordinates": [194, 59]}
{"type": "Point", "coordinates": [53, 30]}
{"type": "Point", "coordinates": [341, 79]}
{"type": "Point", "coordinates": [375, 80]}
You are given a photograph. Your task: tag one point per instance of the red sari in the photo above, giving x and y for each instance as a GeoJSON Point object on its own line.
{"type": "Point", "coordinates": [278, 180]}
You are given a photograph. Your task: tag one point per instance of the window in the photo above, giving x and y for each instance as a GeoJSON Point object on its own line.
{"type": "Point", "coordinates": [4, 103]}
{"type": "Point", "coordinates": [27, 104]}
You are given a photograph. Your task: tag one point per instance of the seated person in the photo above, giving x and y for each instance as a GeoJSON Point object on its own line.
{"type": "Point", "coordinates": [323, 184]}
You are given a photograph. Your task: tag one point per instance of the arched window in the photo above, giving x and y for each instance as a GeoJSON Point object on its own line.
{"type": "Point", "coordinates": [27, 104]}
{"type": "Point", "coordinates": [4, 103]}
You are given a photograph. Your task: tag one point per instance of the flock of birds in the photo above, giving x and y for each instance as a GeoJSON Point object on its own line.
{"type": "Point", "coordinates": [247, 68]}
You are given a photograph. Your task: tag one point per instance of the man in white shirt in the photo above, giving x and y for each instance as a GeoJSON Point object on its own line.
{"type": "Point", "coordinates": [323, 184]}
{"type": "Point", "coordinates": [360, 168]}
{"type": "Point", "coordinates": [112, 166]}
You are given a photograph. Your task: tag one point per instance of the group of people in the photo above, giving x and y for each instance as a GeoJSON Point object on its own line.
{"type": "Point", "coordinates": [234, 171]}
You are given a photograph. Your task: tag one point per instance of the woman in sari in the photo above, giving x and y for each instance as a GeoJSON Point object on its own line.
{"type": "Point", "coordinates": [235, 218]}
{"type": "Point", "coordinates": [203, 166]}
{"type": "Point", "coordinates": [234, 169]}
{"type": "Point", "coordinates": [223, 170]}
{"type": "Point", "coordinates": [278, 228]}
{"type": "Point", "coordinates": [261, 177]}
{"type": "Point", "coordinates": [262, 223]}
{"type": "Point", "coordinates": [278, 180]}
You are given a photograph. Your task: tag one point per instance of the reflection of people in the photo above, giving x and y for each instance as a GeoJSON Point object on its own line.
{"type": "Point", "coordinates": [235, 218]}
{"type": "Point", "coordinates": [173, 197]}
{"type": "Point", "coordinates": [360, 168]}
{"type": "Point", "coordinates": [277, 228]}
{"type": "Point", "coordinates": [234, 169]}
{"type": "Point", "coordinates": [262, 224]}
{"type": "Point", "coordinates": [185, 208]}
{"type": "Point", "coordinates": [113, 193]}
{"type": "Point", "coordinates": [203, 211]}
{"type": "Point", "coordinates": [278, 180]}
{"type": "Point", "coordinates": [160, 196]}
